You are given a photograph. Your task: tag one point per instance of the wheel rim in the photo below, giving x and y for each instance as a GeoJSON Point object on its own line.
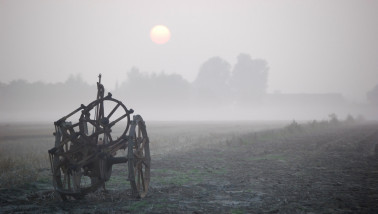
{"type": "Point", "coordinates": [70, 176]}
{"type": "Point", "coordinates": [100, 117]}
{"type": "Point", "coordinates": [140, 171]}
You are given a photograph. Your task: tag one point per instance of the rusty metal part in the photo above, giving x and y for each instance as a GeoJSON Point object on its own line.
{"type": "Point", "coordinates": [84, 152]}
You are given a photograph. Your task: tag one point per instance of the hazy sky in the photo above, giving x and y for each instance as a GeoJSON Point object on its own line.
{"type": "Point", "coordinates": [311, 46]}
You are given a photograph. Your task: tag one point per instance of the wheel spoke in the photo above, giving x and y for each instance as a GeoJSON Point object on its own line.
{"type": "Point", "coordinates": [114, 109]}
{"type": "Point", "coordinates": [141, 148]}
{"type": "Point", "coordinates": [139, 132]}
{"type": "Point", "coordinates": [142, 177]}
{"type": "Point", "coordinates": [64, 180]}
{"type": "Point", "coordinates": [117, 120]}
{"type": "Point", "coordinates": [139, 176]}
{"type": "Point", "coordinates": [68, 181]}
{"type": "Point", "coordinates": [147, 165]}
{"type": "Point", "coordinates": [76, 177]}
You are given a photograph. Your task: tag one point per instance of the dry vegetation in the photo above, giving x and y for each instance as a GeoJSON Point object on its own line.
{"type": "Point", "coordinates": [23, 147]}
{"type": "Point", "coordinates": [206, 167]}
{"type": "Point", "coordinates": [23, 157]}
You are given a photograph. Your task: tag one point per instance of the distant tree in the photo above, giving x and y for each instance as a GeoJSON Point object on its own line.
{"type": "Point", "coordinates": [212, 82]}
{"type": "Point", "coordinates": [75, 80]}
{"type": "Point", "coordinates": [293, 127]}
{"type": "Point", "coordinates": [157, 90]}
{"type": "Point", "coordinates": [39, 101]}
{"type": "Point", "coordinates": [333, 119]}
{"type": "Point", "coordinates": [249, 78]}
{"type": "Point", "coordinates": [349, 119]}
{"type": "Point", "coordinates": [372, 95]}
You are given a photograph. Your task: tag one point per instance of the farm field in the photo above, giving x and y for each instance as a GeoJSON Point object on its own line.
{"type": "Point", "coordinates": [211, 167]}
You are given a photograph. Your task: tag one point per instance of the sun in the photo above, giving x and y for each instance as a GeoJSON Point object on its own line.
{"type": "Point", "coordinates": [160, 34]}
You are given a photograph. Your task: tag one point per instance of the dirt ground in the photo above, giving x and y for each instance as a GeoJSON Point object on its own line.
{"type": "Point", "coordinates": [328, 170]}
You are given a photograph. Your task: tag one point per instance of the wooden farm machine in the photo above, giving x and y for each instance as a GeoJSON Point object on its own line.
{"type": "Point", "coordinates": [85, 150]}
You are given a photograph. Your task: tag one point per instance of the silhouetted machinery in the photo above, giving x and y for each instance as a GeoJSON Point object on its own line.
{"type": "Point", "coordinates": [85, 151]}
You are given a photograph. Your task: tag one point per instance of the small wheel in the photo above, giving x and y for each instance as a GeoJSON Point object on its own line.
{"type": "Point", "coordinates": [140, 163]}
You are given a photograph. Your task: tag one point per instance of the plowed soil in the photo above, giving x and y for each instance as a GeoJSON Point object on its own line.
{"type": "Point", "coordinates": [326, 170]}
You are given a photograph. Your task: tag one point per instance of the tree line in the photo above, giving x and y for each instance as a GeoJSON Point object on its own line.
{"type": "Point", "coordinates": [218, 87]}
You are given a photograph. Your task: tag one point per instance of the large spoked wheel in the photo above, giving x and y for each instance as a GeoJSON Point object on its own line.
{"type": "Point", "coordinates": [102, 116]}
{"type": "Point", "coordinates": [139, 157]}
{"type": "Point", "coordinates": [75, 174]}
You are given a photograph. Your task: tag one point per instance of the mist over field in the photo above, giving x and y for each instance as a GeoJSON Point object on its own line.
{"type": "Point", "coordinates": [220, 60]}
{"type": "Point", "coordinates": [218, 93]}
{"type": "Point", "coordinates": [248, 106]}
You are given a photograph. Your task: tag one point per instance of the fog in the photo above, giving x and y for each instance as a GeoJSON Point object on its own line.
{"type": "Point", "coordinates": [218, 93]}
{"type": "Point", "coordinates": [226, 60]}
